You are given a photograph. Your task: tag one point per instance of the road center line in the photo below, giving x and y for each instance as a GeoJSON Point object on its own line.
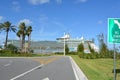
{"type": "Point", "coordinates": [26, 72]}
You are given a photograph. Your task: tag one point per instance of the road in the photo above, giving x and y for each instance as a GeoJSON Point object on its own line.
{"type": "Point", "coordinates": [51, 68]}
{"type": "Point", "coordinates": [10, 67]}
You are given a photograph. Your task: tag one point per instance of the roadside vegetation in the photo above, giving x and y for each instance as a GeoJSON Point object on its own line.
{"type": "Point", "coordinates": [98, 65]}
{"type": "Point", "coordinates": [98, 69]}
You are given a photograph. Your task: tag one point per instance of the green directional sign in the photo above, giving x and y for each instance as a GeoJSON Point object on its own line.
{"type": "Point", "coordinates": [114, 30]}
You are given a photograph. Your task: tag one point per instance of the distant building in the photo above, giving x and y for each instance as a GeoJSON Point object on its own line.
{"type": "Point", "coordinates": [73, 43]}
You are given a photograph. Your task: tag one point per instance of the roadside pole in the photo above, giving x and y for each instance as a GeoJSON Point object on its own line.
{"type": "Point", "coordinates": [64, 44]}
{"type": "Point", "coordinates": [114, 63]}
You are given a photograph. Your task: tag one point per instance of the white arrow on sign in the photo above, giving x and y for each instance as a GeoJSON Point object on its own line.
{"type": "Point", "coordinates": [116, 22]}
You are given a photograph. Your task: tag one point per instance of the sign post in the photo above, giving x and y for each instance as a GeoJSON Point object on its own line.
{"type": "Point", "coordinates": [114, 36]}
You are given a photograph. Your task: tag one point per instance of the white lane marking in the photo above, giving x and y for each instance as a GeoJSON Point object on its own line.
{"type": "Point", "coordinates": [7, 65]}
{"type": "Point", "coordinates": [46, 78]}
{"type": "Point", "coordinates": [10, 62]}
{"type": "Point", "coordinates": [26, 72]}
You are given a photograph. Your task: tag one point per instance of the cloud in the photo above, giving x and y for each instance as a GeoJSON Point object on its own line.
{"type": "Point", "coordinates": [16, 6]}
{"type": "Point", "coordinates": [59, 1]}
{"type": "Point", "coordinates": [100, 22]}
{"type": "Point", "coordinates": [81, 1]}
{"type": "Point", "coordinates": [1, 18]}
{"type": "Point", "coordinates": [26, 21]}
{"type": "Point", "coordinates": [37, 2]}
{"type": "Point", "coordinates": [48, 26]}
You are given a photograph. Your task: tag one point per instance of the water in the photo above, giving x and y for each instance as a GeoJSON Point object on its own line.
{"type": "Point", "coordinates": [48, 51]}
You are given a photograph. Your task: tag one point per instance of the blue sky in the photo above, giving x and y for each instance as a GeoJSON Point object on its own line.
{"type": "Point", "coordinates": [51, 18]}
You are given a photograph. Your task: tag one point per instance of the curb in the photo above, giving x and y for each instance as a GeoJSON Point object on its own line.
{"type": "Point", "coordinates": [77, 71]}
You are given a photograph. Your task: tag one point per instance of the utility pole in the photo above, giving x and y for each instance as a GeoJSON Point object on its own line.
{"type": "Point", "coordinates": [64, 44]}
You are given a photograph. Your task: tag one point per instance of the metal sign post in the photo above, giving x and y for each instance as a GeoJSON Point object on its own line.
{"type": "Point", "coordinates": [114, 63]}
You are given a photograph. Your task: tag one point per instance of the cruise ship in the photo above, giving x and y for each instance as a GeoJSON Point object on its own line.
{"type": "Point", "coordinates": [73, 43]}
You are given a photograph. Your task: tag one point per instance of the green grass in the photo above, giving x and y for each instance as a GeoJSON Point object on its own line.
{"type": "Point", "coordinates": [97, 69]}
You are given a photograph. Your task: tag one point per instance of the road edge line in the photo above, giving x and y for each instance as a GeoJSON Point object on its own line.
{"type": "Point", "coordinates": [26, 72]}
{"type": "Point", "coordinates": [77, 71]}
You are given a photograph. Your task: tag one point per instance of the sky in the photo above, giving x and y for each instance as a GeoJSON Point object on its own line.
{"type": "Point", "coordinates": [51, 18]}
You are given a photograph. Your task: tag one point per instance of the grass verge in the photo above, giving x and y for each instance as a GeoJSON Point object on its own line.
{"type": "Point", "coordinates": [97, 69]}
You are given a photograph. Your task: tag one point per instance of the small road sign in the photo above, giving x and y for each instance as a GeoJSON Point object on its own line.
{"type": "Point", "coordinates": [114, 30]}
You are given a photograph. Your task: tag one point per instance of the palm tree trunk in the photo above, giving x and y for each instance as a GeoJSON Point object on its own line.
{"type": "Point", "coordinates": [29, 42]}
{"type": "Point", "coordinates": [6, 40]}
{"type": "Point", "coordinates": [22, 43]}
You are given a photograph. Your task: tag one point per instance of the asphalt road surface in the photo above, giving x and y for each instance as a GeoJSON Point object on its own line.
{"type": "Point", "coordinates": [52, 68]}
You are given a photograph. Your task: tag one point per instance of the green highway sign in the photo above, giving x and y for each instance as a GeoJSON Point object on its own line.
{"type": "Point", "coordinates": [114, 30]}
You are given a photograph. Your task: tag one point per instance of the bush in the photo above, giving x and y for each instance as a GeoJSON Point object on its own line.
{"type": "Point", "coordinates": [80, 54]}
{"type": "Point", "coordinates": [59, 53]}
{"type": "Point", "coordinates": [7, 53]}
{"type": "Point", "coordinates": [72, 53]}
{"type": "Point", "coordinates": [12, 48]}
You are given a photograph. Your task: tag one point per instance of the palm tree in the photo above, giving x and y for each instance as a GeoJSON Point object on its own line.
{"type": "Point", "coordinates": [22, 33]}
{"type": "Point", "coordinates": [28, 33]}
{"type": "Point", "coordinates": [7, 27]}
{"type": "Point", "coordinates": [19, 35]}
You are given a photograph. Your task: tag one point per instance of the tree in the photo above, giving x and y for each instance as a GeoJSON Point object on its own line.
{"type": "Point", "coordinates": [100, 39]}
{"type": "Point", "coordinates": [6, 26]}
{"type": "Point", "coordinates": [66, 49]}
{"type": "Point", "coordinates": [21, 34]}
{"type": "Point", "coordinates": [80, 48]}
{"type": "Point", "coordinates": [91, 49]}
{"type": "Point", "coordinates": [103, 49]}
{"type": "Point", "coordinates": [28, 33]}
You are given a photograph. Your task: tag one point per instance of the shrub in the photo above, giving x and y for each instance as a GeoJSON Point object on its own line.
{"type": "Point", "coordinates": [66, 49]}
{"type": "Point", "coordinates": [81, 54]}
{"type": "Point", "coordinates": [59, 53]}
{"type": "Point", "coordinates": [73, 53]}
{"type": "Point", "coordinates": [12, 48]}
